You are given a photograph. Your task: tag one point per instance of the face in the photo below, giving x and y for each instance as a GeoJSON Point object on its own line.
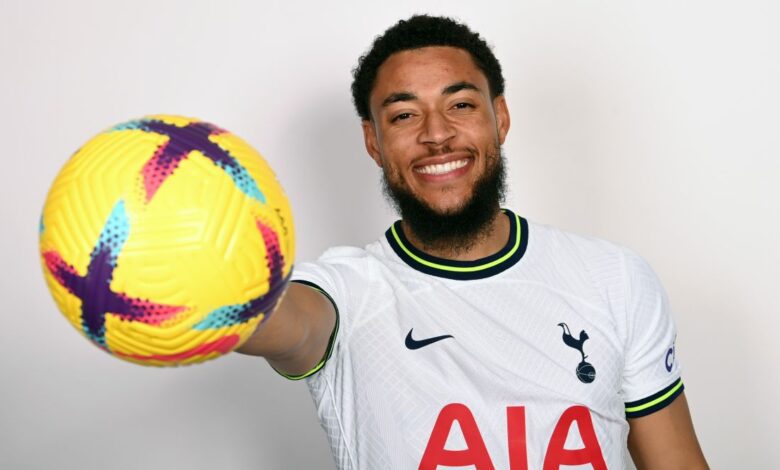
{"type": "Point", "coordinates": [435, 130]}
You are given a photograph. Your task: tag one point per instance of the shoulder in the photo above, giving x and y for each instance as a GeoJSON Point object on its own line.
{"type": "Point", "coordinates": [340, 269]}
{"type": "Point", "coordinates": [571, 252]}
{"type": "Point", "coordinates": [343, 255]}
{"type": "Point", "coordinates": [590, 264]}
{"type": "Point", "coordinates": [335, 262]}
{"type": "Point", "coordinates": [588, 250]}
{"type": "Point", "coordinates": [568, 243]}
{"type": "Point", "coordinates": [344, 258]}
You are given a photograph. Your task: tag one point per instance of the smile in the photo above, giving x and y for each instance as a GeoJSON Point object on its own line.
{"type": "Point", "coordinates": [442, 168]}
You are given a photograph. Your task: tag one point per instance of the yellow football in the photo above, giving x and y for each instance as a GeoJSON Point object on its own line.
{"type": "Point", "coordinates": [166, 240]}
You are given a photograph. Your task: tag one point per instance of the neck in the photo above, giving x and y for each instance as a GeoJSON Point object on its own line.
{"type": "Point", "coordinates": [484, 243]}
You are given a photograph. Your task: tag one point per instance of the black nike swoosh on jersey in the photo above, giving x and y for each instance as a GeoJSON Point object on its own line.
{"type": "Point", "coordinates": [413, 344]}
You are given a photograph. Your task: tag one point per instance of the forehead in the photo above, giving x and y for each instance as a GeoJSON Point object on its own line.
{"type": "Point", "coordinates": [416, 70]}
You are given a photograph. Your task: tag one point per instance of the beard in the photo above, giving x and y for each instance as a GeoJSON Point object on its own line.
{"type": "Point", "coordinates": [456, 230]}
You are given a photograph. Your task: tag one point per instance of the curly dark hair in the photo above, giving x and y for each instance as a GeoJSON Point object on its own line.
{"type": "Point", "coordinates": [417, 32]}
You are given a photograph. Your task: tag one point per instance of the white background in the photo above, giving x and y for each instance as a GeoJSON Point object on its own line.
{"type": "Point", "coordinates": [652, 124]}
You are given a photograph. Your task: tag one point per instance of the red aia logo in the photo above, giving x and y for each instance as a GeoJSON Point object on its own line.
{"type": "Point", "coordinates": [476, 453]}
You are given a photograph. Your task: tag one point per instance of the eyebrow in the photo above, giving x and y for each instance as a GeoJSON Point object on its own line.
{"type": "Point", "coordinates": [448, 90]}
{"type": "Point", "coordinates": [456, 87]}
{"type": "Point", "coordinates": [400, 96]}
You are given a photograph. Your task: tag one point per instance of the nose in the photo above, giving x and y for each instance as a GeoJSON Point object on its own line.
{"type": "Point", "coordinates": [436, 129]}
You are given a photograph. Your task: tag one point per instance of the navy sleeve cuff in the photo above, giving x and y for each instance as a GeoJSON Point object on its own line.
{"type": "Point", "coordinates": [655, 402]}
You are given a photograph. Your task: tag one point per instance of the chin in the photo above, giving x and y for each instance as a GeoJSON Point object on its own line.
{"type": "Point", "coordinates": [447, 203]}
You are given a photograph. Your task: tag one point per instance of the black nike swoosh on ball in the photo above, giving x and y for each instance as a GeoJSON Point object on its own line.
{"type": "Point", "coordinates": [412, 343]}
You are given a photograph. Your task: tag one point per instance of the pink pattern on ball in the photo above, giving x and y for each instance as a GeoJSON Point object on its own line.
{"type": "Point", "coordinates": [148, 312]}
{"type": "Point", "coordinates": [223, 346]}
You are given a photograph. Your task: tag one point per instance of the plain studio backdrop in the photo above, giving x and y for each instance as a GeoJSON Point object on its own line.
{"type": "Point", "coordinates": [651, 124]}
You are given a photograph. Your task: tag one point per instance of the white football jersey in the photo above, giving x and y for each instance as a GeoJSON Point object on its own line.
{"type": "Point", "coordinates": [531, 358]}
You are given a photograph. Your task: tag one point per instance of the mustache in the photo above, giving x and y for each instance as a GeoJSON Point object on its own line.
{"type": "Point", "coordinates": [445, 150]}
{"type": "Point", "coordinates": [472, 151]}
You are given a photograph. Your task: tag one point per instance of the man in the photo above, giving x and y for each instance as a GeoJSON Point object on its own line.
{"type": "Point", "coordinates": [468, 336]}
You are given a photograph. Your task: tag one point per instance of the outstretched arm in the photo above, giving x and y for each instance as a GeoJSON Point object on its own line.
{"type": "Point", "coordinates": [295, 338]}
{"type": "Point", "coordinates": [665, 440]}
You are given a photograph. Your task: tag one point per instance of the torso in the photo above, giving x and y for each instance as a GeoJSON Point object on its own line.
{"type": "Point", "coordinates": [505, 390]}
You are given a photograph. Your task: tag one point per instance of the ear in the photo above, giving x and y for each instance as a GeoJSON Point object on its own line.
{"type": "Point", "coordinates": [502, 117]}
{"type": "Point", "coordinates": [370, 139]}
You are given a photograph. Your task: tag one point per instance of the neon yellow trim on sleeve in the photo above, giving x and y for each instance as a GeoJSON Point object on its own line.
{"type": "Point", "coordinates": [658, 400]}
{"type": "Point", "coordinates": [331, 341]}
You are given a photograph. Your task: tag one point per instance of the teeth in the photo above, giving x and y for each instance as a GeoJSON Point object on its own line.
{"type": "Point", "coordinates": [442, 168]}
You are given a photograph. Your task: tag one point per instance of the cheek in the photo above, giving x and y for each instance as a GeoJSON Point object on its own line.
{"type": "Point", "coordinates": [389, 168]}
{"type": "Point", "coordinates": [397, 142]}
{"type": "Point", "coordinates": [477, 128]}
{"type": "Point", "coordinates": [396, 151]}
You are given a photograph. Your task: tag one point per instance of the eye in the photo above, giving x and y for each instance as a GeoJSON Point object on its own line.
{"type": "Point", "coordinates": [463, 105]}
{"type": "Point", "coordinates": [401, 117]}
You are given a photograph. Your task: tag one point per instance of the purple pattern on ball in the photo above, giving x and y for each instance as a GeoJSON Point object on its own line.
{"type": "Point", "coordinates": [182, 141]}
{"type": "Point", "coordinates": [94, 288]}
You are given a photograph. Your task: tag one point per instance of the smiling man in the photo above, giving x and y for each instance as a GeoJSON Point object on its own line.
{"type": "Point", "coordinates": [469, 337]}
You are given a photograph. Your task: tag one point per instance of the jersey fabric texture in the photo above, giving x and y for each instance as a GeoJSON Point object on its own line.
{"type": "Point", "coordinates": [550, 323]}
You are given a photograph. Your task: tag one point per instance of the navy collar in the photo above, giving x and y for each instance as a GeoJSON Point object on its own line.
{"type": "Point", "coordinates": [505, 258]}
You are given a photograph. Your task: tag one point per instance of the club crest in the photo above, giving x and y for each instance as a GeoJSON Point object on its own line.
{"type": "Point", "coordinates": [585, 371]}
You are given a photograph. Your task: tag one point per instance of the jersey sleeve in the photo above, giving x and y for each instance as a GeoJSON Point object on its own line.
{"type": "Point", "coordinates": [651, 376]}
{"type": "Point", "coordinates": [337, 275]}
